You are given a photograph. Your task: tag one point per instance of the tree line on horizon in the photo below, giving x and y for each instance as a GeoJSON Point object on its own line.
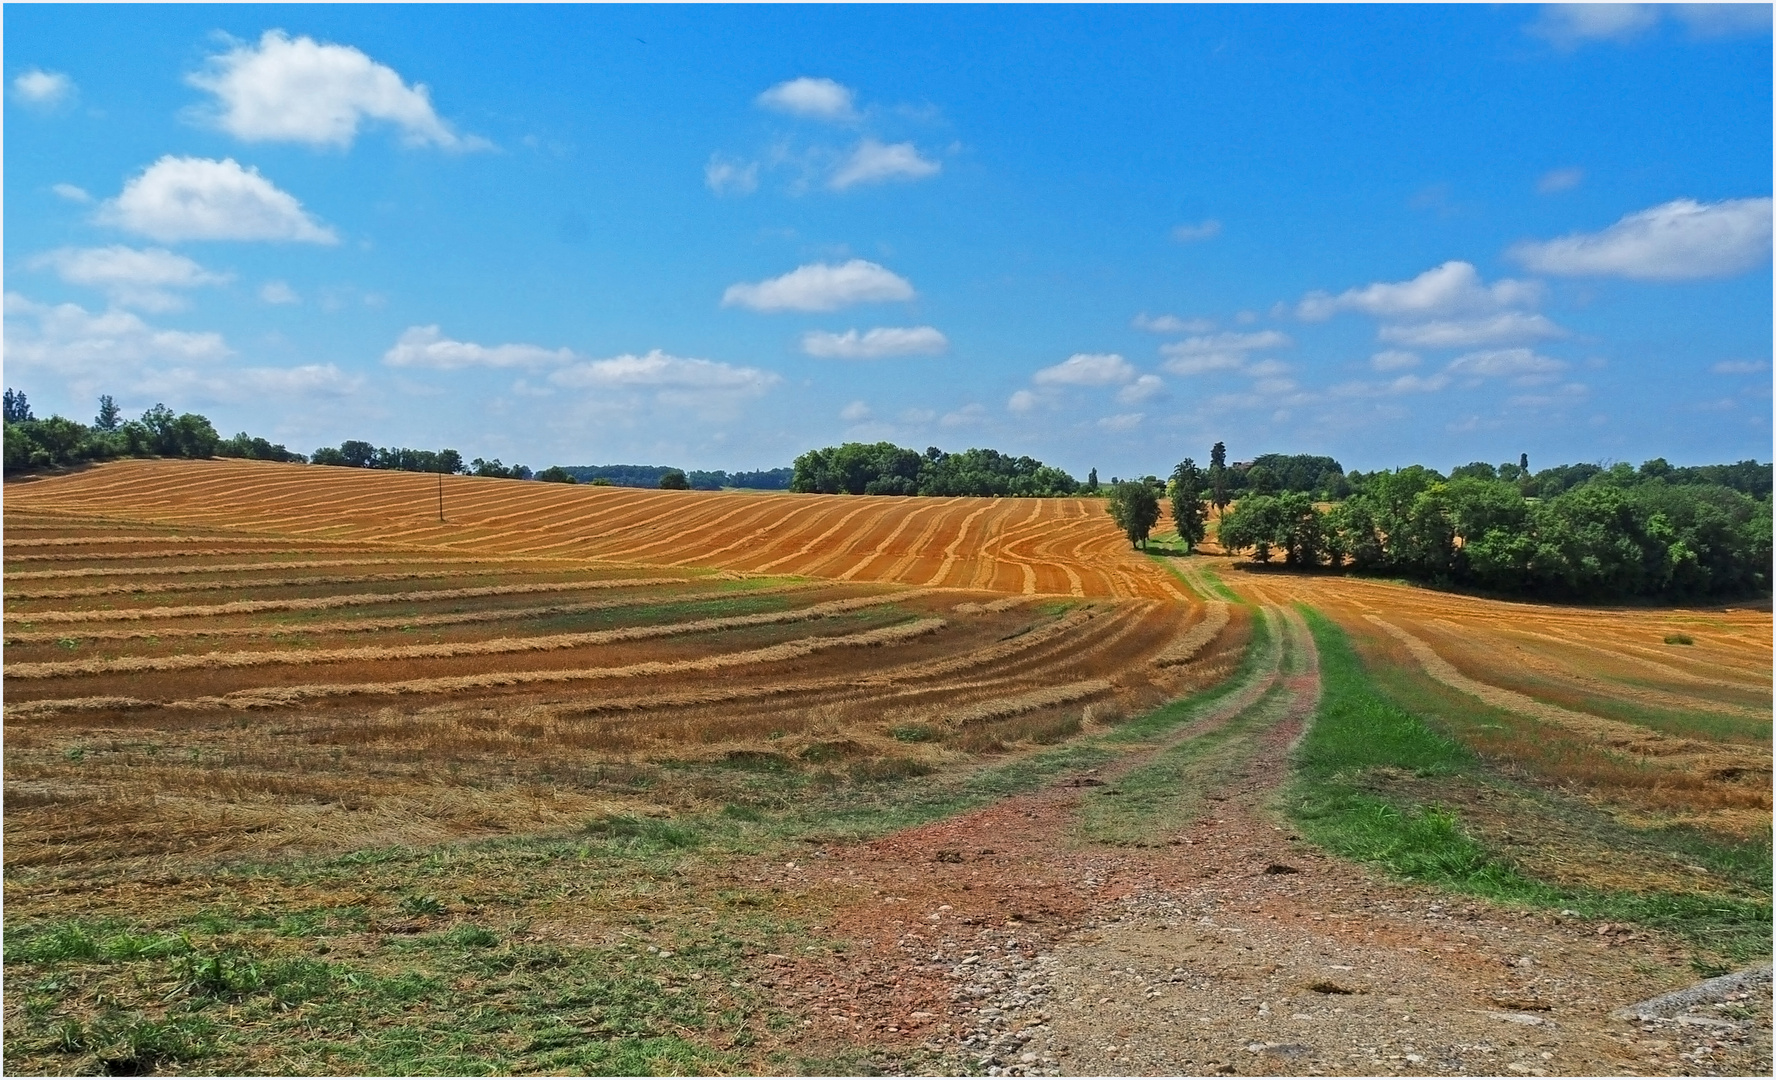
{"type": "Point", "coordinates": [1585, 531]}
{"type": "Point", "coordinates": [1572, 532]}
{"type": "Point", "coordinates": [32, 443]}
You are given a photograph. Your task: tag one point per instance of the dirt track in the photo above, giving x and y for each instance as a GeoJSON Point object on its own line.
{"type": "Point", "coordinates": [1006, 945]}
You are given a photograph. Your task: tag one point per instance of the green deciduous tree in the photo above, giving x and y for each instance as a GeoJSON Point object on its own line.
{"type": "Point", "coordinates": [1134, 507]}
{"type": "Point", "coordinates": [1188, 512]}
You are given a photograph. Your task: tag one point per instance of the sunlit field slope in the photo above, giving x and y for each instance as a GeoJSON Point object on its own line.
{"type": "Point", "coordinates": [1065, 547]}
{"type": "Point", "coordinates": [1663, 712]}
{"type": "Point", "coordinates": [221, 657]}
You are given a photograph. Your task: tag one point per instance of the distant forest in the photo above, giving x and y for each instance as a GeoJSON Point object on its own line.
{"type": "Point", "coordinates": [159, 432]}
{"type": "Point", "coordinates": [1579, 531]}
{"type": "Point", "coordinates": [885, 469]}
{"type": "Point", "coordinates": [1575, 531]}
{"type": "Point", "coordinates": [651, 476]}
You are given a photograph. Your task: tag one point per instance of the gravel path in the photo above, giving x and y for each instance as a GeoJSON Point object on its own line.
{"type": "Point", "coordinates": [998, 943]}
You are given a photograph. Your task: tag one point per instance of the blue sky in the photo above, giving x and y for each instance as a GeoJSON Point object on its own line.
{"type": "Point", "coordinates": [716, 237]}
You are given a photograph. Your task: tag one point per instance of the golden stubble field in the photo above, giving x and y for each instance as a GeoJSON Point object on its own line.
{"type": "Point", "coordinates": [251, 709]}
{"type": "Point", "coordinates": [1663, 714]}
{"type": "Point", "coordinates": [207, 659]}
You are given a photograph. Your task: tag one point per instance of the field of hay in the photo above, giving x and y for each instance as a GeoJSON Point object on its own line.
{"type": "Point", "coordinates": [1663, 714]}
{"type": "Point", "coordinates": [1063, 547]}
{"type": "Point", "coordinates": [225, 658]}
{"type": "Point", "coordinates": [301, 779]}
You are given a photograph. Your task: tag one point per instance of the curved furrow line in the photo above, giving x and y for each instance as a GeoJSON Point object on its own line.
{"type": "Point", "coordinates": [949, 555]}
{"type": "Point", "coordinates": [917, 548]}
{"type": "Point", "coordinates": [888, 511]}
{"type": "Point", "coordinates": [211, 661]}
{"type": "Point", "coordinates": [128, 587]}
{"type": "Point", "coordinates": [783, 513]}
{"type": "Point", "coordinates": [322, 603]}
{"type": "Point", "coordinates": [1672, 751]}
{"type": "Point", "coordinates": [405, 622]}
{"type": "Point", "coordinates": [275, 697]}
{"type": "Point", "coordinates": [809, 547]}
{"type": "Point", "coordinates": [881, 547]}
{"type": "Point", "coordinates": [1563, 675]}
{"type": "Point", "coordinates": [238, 568]}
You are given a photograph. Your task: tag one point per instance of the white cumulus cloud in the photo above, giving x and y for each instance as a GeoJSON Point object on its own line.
{"type": "Point", "coordinates": [42, 89]}
{"type": "Point", "coordinates": [821, 287]}
{"type": "Point", "coordinates": [1087, 369]}
{"type": "Point", "coordinates": [1455, 287]}
{"type": "Point", "coordinates": [427, 347]}
{"type": "Point", "coordinates": [71, 192]}
{"type": "Point", "coordinates": [854, 412]}
{"type": "Point", "coordinates": [1021, 402]}
{"type": "Point", "coordinates": [874, 344]}
{"type": "Point", "coordinates": [1122, 421]}
{"type": "Point", "coordinates": [300, 90]}
{"type": "Point", "coordinates": [1678, 240]}
{"type": "Point", "coordinates": [873, 162]}
{"type": "Point", "coordinates": [142, 278]}
{"type": "Point", "coordinates": [822, 99]}
{"type": "Point", "coordinates": [186, 198]}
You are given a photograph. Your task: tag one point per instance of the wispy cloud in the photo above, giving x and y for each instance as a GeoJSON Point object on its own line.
{"type": "Point", "coordinates": [728, 176]}
{"type": "Point", "coordinates": [1506, 326]}
{"type": "Point", "coordinates": [1679, 240]}
{"type": "Point", "coordinates": [1560, 180]}
{"type": "Point", "coordinates": [883, 341]}
{"type": "Point", "coordinates": [427, 347]}
{"type": "Point", "coordinates": [42, 90]}
{"type": "Point", "coordinates": [1087, 369]}
{"type": "Point", "coordinates": [1226, 351]}
{"type": "Point", "coordinates": [1172, 324]}
{"type": "Point", "coordinates": [873, 162]}
{"type": "Point", "coordinates": [821, 287]}
{"type": "Point", "coordinates": [143, 278]}
{"type": "Point", "coordinates": [1207, 229]}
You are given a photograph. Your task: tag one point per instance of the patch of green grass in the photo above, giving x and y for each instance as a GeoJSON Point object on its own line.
{"type": "Point", "coordinates": [1335, 802]}
{"type": "Point", "coordinates": [76, 941]}
{"type": "Point", "coordinates": [130, 1044]}
{"type": "Point", "coordinates": [1679, 639]}
{"type": "Point", "coordinates": [647, 835]}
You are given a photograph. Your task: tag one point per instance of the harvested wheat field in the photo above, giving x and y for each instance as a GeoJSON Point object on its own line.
{"type": "Point", "coordinates": [1061, 547]}
{"type": "Point", "coordinates": [301, 780]}
{"type": "Point", "coordinates": [1665, 712]}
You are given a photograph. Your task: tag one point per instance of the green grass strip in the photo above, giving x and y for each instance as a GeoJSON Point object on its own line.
{"type": "Point", "coordinates": [1358, 730]}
